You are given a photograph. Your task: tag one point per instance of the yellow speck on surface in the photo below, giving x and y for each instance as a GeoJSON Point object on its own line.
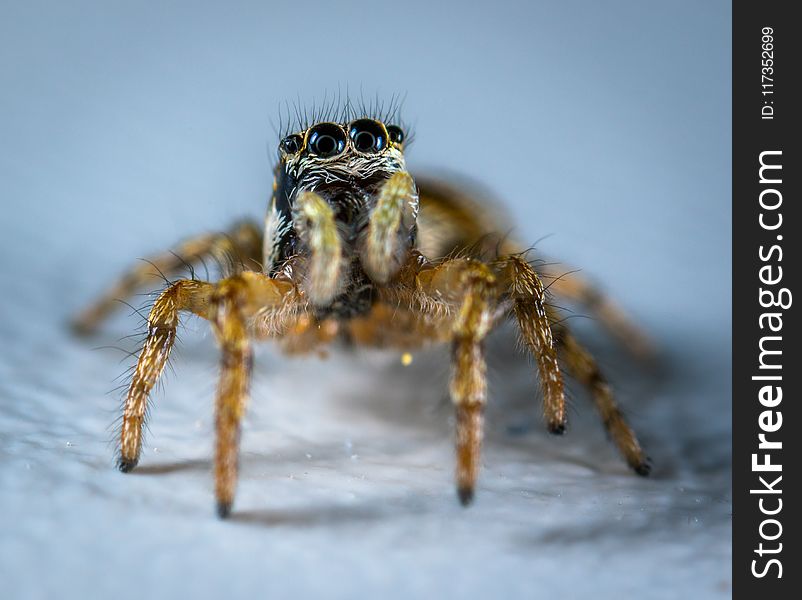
{"type": "Point", "coordinates": [406, 359]}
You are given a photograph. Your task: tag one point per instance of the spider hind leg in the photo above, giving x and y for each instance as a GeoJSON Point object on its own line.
{"type": "Point", "coordinates": [239, 248]}
{"type": "Point", "coordinates": [581, 365]}
{"type": "Point", "coordinates": [576, 288]}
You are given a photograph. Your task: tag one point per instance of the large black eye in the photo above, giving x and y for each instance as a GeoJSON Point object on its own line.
{"type": "Point", "coordinates": [396, 134]}
{"type": "Point", "coordinates": [326, 139]}
{"type": "Point", "coordinates": [292, 143]}
{"type": "Point", "coordinates": [367, 135]}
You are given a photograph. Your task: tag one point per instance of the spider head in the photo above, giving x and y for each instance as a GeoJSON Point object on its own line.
{"type": "Point", "coordinates": [332, 180]}
{"type": "Point", "coordinates": [343, 162]}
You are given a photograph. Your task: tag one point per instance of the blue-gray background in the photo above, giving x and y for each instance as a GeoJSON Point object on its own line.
{"type": "Point", "coordinates": [125, 126]}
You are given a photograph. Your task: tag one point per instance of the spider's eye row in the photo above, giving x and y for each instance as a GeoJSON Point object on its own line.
{"type": "Point", "coordinates": [292, 143]}
{"type": "Point", "coordinates": [326, 140]}
{"type": "Point", "coordinates": [367, 135]}
{"type": "Point", "coordinates": [396, 134]}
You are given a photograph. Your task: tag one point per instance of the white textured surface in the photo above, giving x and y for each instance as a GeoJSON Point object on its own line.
{"type": "Point", "coordinates": [123, 130]}
{"type": "Point", "coordinates": [347, 486]}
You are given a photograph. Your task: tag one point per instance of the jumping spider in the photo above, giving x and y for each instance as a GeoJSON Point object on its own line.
{"type": "Point", "coordinates": [354, 249]}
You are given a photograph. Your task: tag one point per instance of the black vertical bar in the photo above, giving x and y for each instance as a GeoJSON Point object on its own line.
{"type": "Point", "coordinates": [766, 104]}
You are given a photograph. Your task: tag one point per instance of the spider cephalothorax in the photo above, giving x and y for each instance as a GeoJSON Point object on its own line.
{"type": "Point", "coordinates": [344, 204]}
{"type": "Point", "coordinates": [354, 250]}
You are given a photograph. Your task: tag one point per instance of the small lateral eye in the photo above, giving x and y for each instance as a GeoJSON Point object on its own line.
{"type": "Point", "coordinates": [396, 134]}
{"type": "Point", "coordinates": [292, 143]}
{"type": "Point", "coordinates": [326, 140]}
{"type": "Point", "coordinates": [367, 135]}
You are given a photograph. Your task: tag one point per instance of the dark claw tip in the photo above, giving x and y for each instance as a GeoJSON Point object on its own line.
{"type": "Point", "coordinates": [644, 468]}
{"type": "Point", "coordinates": [556, 428]}
{"type": "Point", "coordinates": [126, 465]}
{"type": "Point", "coordinates": [465, 495]}
{"type": "Point", "coordinates": [223, 509]}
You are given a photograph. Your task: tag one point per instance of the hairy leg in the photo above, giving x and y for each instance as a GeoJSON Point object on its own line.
{"type": "Point", "coordinates": [527, 294]}
{"type": "Point", "coordinates": [230, 305]}
{"type": "Point", "coordinates": [240, 245]}
{"type": "Point", "coordinates": [235, 301]}
{"type": "Point", "coordinates": [580, 364]}
{"type": "Point", "coordinates": [459, 219]}
{"type": "Point", "coordinates": [576, 288]}
{"type": "Point", "coordinates": [473, 286]}
{"type": "Point", "coordinates": [183, 295]}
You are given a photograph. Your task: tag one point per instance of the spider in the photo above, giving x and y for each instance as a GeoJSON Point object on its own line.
{"type": "Point", "coordinates": [355, 250]}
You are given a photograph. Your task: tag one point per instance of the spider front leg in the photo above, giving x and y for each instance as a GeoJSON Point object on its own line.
{"type": "Point", "coordinates": [234, 302]}
{"type": "Point", "coordinates": [473, 286]}
{"type": "Point", "coordinates": [229, 305]}
{"type": "Point", "coordinates": [241, 244]}
{"type": "Point", "coordinates": [183, 295]}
